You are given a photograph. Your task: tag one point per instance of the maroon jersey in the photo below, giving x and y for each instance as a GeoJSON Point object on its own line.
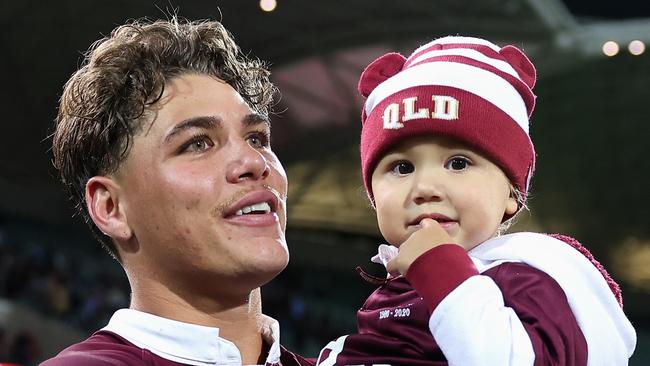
{"type": "Point", "coordinates": [394, 323]}
{"type": "Point", "coordinates": [134, 338]}
{"type": "Point", "coordinates": [105, 348]}
{"type": "Point", "coordinates": [518, 299]}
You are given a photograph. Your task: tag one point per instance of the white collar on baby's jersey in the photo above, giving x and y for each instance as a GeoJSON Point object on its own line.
{"type": "Point", "coordinates": [186, 343]}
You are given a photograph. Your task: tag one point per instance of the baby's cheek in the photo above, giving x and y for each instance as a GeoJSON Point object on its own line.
{"type": "Point", "coordinates": [389, 231]}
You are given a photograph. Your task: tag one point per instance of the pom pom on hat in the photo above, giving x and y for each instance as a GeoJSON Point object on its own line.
{"type": "Point", "coordinates": [464, 88]}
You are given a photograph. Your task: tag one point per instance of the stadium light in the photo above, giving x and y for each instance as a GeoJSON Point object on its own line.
{"type": "Point", "coordinates": [268, 5]}
{"type": "Point", "coordinates": [610, 48]}
{"type": "Point", "coordinates": [636, 47]}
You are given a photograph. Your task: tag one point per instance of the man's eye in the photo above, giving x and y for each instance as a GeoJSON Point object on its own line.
{"type": "Point", "coordinates": [259, 140]}
{"type": "Point", "coordinates": [403, 168]}
{"type": "Point", "coordinates": [197, 144]}
{"type": "Point", "coordinates": [457, 163]}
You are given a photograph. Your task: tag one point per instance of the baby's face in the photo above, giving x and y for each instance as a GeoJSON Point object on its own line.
{"type": "Point", "coordinates": [442, 179]}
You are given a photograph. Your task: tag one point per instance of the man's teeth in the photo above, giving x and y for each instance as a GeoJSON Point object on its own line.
{"type": "Point", "coordinates": [261, 207]}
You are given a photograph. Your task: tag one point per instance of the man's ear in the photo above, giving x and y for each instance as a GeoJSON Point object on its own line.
{"type": "Point", "coordinates": [105, 208]}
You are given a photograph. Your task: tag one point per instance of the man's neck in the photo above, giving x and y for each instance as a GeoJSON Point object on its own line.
{"type": "Point", "coordinates": [239, 318]}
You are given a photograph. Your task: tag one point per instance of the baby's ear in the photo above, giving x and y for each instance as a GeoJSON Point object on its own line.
{"type": "Point", "coordinates": [511, 206]}
{"type": "Point", "coordinates": [380, 70]}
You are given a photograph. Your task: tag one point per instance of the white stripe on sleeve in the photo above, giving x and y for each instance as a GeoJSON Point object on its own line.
{"type": "Point", "coordinates": [472, 326]}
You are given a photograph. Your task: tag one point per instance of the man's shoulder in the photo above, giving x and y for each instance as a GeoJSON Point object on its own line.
{"type": "Point", "coordinates": [101, 349]}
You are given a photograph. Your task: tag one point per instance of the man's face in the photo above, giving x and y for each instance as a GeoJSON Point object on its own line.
{"type": "Point", "coordinates": [433, 177]}
{"type": "Point", "coordinates": [203, 192]}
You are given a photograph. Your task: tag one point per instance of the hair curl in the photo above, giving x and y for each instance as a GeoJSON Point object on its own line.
{"type": "Point", "coordinates": [103, 104]}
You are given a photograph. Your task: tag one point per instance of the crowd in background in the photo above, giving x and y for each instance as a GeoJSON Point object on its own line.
{"type": "Point", "coordinates": [81, 286]}
{"type": "Point", "coordinates": [21, 349]}
{"type": "Point", "coordinates": [50, 282]}
{"type": "Point", "coordinates": [76, 290]}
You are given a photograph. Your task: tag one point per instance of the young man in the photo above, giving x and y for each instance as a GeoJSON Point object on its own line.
{"type": "Point", "coordinates": [162, 139]}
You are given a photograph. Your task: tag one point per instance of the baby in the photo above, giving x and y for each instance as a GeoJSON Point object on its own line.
{"type": "Point", "coordinates": [447, 161]}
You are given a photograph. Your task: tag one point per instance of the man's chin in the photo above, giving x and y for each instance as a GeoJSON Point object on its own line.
{"type": "Point", "coordinates": [263, 271]}
{"type": "Point", "coordinates": [251, 282]}
{"type": "Point", "coordinates": [271, 270]}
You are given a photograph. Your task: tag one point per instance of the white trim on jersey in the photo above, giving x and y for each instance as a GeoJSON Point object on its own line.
{"type": "Point", "coordinates": [335, 347]}
{"type": "Point", "coordinates": [473, 326]}
{"type": "Point", "coordinates": [188, 344]}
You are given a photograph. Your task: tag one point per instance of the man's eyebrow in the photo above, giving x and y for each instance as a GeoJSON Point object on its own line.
{"type": "Point", "coordinates": [255, 119]}
{"type": "Point", "coordinates": [204, 122]}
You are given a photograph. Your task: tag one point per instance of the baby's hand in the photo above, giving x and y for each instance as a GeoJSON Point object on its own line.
{"type": "Point", "coordinates": [429, 236]}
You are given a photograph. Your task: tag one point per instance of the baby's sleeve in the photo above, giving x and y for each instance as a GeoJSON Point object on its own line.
{"type": "Point", "coordinates": [543, 308]}
{"type": "Point", "coordinates": [512, 314]}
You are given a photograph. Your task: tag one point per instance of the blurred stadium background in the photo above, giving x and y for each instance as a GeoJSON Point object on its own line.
{"type": "Point", "coordinates": [591, 131]}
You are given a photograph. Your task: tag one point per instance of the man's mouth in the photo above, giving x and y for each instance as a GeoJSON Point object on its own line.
{"type": "Point", "coordinates": [255, 209]}
{"type": "Point", "coordinates": [259, 202]}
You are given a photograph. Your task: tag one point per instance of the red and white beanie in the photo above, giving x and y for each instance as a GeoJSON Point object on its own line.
{"type": "Point", "coordinates": [464, 88]}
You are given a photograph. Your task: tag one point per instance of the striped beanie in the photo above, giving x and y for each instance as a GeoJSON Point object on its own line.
{"type": "Point", "coordinates": [464, 88]}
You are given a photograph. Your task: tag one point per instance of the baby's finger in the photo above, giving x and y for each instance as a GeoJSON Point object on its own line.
{"type": "Point", "coordinates": [427, 222]}
{"type": "Point", "coordinates": [391, 268]}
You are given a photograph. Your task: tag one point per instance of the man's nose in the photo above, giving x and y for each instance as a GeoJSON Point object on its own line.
{"type": "Point", "coordinates": [248, 163]}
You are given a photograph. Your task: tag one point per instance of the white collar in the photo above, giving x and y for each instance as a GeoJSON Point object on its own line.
{"type": "Point", "coordinates": [186, 343]}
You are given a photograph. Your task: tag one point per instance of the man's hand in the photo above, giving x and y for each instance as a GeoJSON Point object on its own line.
{"type": "Point", "coordinates": [429, 236]}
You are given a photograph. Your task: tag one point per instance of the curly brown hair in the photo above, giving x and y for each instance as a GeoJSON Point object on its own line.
{"type": "Point", "coordinates": [103, 104]}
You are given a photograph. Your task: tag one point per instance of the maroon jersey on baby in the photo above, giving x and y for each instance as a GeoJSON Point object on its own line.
{"type": "Point", "coordinates": [394, 322]}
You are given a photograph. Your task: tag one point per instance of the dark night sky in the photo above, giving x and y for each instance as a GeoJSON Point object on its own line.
{"type": "Point", "coordinates": [609, 9]}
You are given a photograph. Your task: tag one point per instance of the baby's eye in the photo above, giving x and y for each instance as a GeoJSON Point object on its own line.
{"type": "Point", "coordinates": [458, 163]}
{"type": "Point", "coordinates": [403, 168]}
